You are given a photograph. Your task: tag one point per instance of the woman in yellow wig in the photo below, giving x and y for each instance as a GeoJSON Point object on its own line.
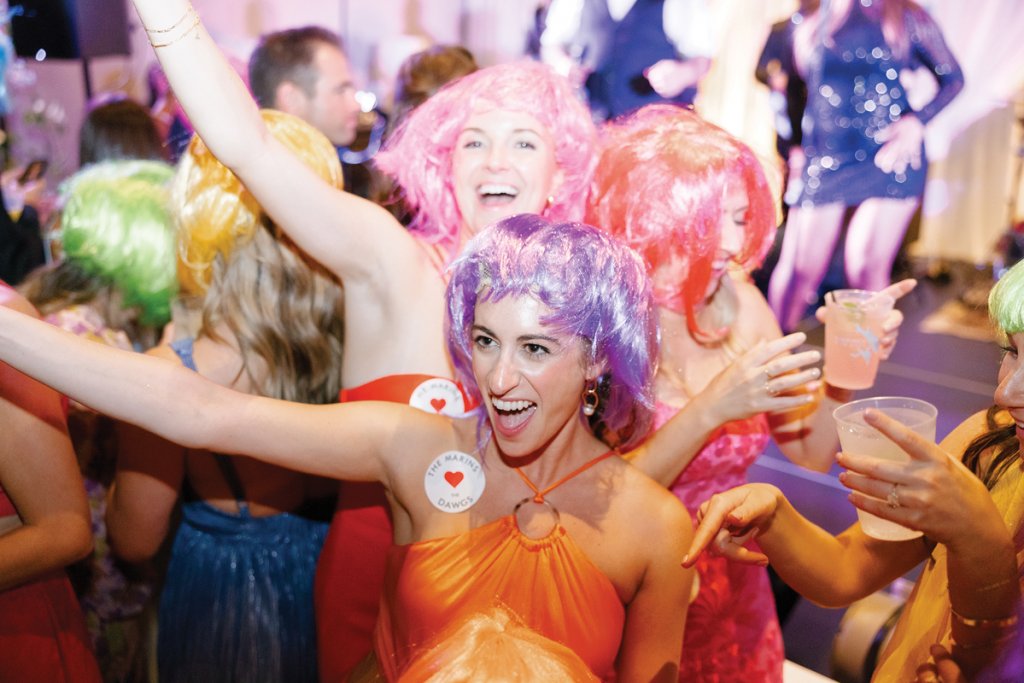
{"type": "Point", "coordinates": [237, 601]}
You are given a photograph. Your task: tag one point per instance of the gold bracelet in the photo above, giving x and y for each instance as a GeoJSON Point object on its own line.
{"type": "Point", "coordinates": [172, 41]}
{"type": "Point", "coordinates": [995, 642]}
{"type": "Point", "coordinates": [179, 22]}
{"type": "Point", "coordinates": [1006, 622]}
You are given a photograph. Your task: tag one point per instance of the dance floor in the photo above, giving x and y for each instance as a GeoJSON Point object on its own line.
{"type": "Point", "coordinates": [955, 373]}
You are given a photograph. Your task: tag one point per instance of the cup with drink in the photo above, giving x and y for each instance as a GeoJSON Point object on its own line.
{"type": "Point", "coordinates": [859, 438]}
{"type": "Point", "coordinates": [853, 336]}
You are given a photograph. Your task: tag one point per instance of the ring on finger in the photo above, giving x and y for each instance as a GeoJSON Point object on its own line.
{"type": "Point", "coordinates": [893, 499]}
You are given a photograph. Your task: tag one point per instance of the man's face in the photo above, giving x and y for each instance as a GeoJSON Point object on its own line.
{"type": "Point", "coordinates": [332, 108]}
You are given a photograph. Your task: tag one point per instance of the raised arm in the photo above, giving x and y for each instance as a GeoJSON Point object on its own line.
{"type": "Point", "coordinates": [807, 436]}
{"type": "Point", "coordinates": [754, 383]}
{"type": "Point", "coordinates": [39, 473]}
{"type": "Point", "coordinates": [353, 237]}
{"type": "Point", "coordinates": [343, 442]}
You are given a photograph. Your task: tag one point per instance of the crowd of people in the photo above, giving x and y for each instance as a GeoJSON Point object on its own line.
{"type": "Point", "coordinates": [493, 420]}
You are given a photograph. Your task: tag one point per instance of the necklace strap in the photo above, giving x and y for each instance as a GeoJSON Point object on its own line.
{"type": "Point", "coordinates": [539, 495]}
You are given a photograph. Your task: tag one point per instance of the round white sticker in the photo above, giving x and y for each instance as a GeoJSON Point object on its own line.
{"type": "Point", "coordinates": [438, 396]}
{"type": "Point", "coordinates": [454, 481]}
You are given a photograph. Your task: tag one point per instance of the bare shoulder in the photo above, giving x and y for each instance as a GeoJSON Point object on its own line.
{"type": "Point", "coordinates": [754, 318]}
{"type": "Point", "coordinates": [653, 508]}
{"type": "Point", "coordinates": [12, 299]}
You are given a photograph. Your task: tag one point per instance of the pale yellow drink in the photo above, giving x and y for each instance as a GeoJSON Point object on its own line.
{"type": "Point", "coordinates": [858, 438]}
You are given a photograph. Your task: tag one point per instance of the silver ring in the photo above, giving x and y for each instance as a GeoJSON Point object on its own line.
{"type": "Point", "coordinates": [767, 384]}
{"type": "Point", "coordinates": [893, 499]}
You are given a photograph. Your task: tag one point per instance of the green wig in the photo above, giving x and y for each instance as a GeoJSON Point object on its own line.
{"type": "Point", "coordinates": [1006, 301]}
{"type": "Point", "coordinates": [116, 225]}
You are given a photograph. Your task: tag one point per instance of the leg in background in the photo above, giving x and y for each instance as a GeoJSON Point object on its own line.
{"type": "Point", "coordinates": [873, 240]}
{"type": "Point", "coordinates": [807, 245]}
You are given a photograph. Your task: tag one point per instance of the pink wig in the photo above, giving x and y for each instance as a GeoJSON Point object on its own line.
{"type": "Point", "coordinates": [660, 185]}
{"type": "Point", "coordinates": [419, 154]}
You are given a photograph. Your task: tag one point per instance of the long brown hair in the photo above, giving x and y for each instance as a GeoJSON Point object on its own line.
{"type": "Point", "coordinates": [1000, 440]}
{"type": "Point", "coordinates": [282, 308]}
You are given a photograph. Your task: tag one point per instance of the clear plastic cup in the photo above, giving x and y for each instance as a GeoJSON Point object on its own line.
{"type": "Point", "coordinates": [859, 438]}
{"type": "Point", "coordinates": [853, 334]}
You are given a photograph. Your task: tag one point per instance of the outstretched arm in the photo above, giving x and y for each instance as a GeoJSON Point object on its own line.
{"type": "Point", "coordinates": [833, 571]}
{"type": "Point", "coordinates": [343, 442]}
{"type": "Point", "coordinates": [349, 235]}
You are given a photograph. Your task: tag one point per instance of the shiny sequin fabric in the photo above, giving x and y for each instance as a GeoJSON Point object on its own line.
{"type": "Point", "coordinates": [854, 91]}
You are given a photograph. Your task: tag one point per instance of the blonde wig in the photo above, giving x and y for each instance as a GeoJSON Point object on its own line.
{"type": "Point", "coordinates": [283, 309]}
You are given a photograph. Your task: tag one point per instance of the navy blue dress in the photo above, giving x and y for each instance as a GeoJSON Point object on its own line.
{"type": "Point", "coordinates": [237, 604]}
{"type": "Point", "coordinates": [853, 92]}
{"type": "Point", "coordinates": [618, 52]}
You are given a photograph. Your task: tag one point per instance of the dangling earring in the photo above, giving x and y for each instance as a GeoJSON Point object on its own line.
{"type": "Point", "coordinates": [590, 399]}
{"type": "Point", "coordinates": [549, 202]}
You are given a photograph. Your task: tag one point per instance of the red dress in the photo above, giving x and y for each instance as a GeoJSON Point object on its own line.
{"type": "Point", "coordinates": [732, 632]}
{"type": "Point", "coordinates": [42, 632]}
{"type": "Point", "coordinates": [351, 569]}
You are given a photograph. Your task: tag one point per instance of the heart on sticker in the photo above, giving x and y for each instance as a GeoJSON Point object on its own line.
{"type": "Point", "coordinates": [454, 478]}
{"type": "Point", "coordinates": [438, 405]}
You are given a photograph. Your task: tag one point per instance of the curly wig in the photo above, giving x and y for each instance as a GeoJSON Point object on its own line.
{"type": "Point", "coordinates": [418, 156]}
{"type": "Point", "coordinates": [594, 287]}
{"type": "Point", "coordinates": [660, 185]}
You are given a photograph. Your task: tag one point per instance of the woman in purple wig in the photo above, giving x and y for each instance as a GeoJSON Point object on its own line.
{"type": "Point", "coordinates": [526, 505]}
{"type": "Point", "coordinates": [505, 140]}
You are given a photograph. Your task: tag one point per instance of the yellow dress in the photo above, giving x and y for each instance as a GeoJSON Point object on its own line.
{"type": "Point", "coordinates": [926, 620]}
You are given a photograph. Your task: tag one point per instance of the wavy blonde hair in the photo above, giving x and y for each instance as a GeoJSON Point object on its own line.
{"type": "Point", "coordinates": [283, 309]}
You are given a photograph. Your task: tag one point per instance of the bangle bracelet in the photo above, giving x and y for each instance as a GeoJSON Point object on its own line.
{"type": "Point", "coordinates": [1007, 622]}
{"type": "Point", "coordinates": [994, 642]}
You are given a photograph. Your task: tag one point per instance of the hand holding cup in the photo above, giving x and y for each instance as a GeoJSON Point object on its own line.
{"type": "Point", "coordinates": [767, 378]}
{"type": "Point", "coordinates": [931, 491]}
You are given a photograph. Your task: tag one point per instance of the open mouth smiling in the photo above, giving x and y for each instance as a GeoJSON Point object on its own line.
{"type": "Point", "coordinates": [509, 416]}
{"type": "Point", "coordinates": [497, 194]}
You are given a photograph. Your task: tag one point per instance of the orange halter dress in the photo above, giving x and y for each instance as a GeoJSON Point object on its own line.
{"type": "Point", "coordinates": [548, 583]}
{"type": "Point", "coordinates": [350, 571]}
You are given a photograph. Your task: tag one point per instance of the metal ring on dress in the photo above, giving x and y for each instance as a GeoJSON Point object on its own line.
{"type": "Point", "coordinates": [530, 499]}
{"type": "Point", "coordinates": [893, 499]}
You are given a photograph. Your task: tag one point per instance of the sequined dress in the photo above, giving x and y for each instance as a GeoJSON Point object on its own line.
{"type": "Point", "coordinates": [732, 633]}
{"type": "Point", "coordinates": [854, 91]}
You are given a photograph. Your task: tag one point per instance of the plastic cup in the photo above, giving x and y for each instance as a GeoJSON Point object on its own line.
{"type": "Point", "coordinates": [853, 334]}
{"type": "Point", "coordinates": [859, 438]}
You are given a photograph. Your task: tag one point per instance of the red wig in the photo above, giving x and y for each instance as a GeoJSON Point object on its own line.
{"type": "Point", "coordinates": [660, 186]}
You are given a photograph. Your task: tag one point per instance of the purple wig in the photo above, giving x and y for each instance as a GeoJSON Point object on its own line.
{"type": "Point", "coordinates": [418, 156]}
{"type": "Point", "coordinates": [595, 287]}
